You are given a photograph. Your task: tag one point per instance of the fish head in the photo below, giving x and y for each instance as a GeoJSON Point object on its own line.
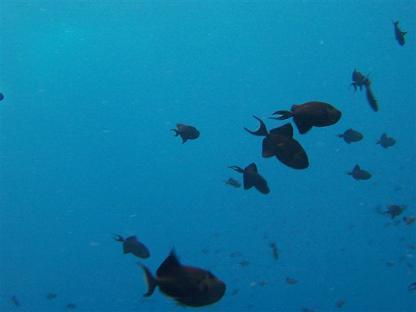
{"type": "Point", "coordinates": [333, 114]}
{"type": "Point", "coordinates": [212, 288]}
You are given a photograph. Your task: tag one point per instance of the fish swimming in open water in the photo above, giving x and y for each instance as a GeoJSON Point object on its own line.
{"type": "Point", "coordinates": [386, 141]}
{"type": "Point", "coordinates": [251, 178]}
{"type": "Point", "coordinates": [310, 114]}
{"type": "Point", "coordinates": [359, 80]}
{"type": "Point", "coordinates": [358, 174]}
{"type": "Point", "coordinates": [133, 245]}
{"type": "Point", "coordinates": [371, 99]}
{"type": "Point", "coordinates": [399, 34]}
{"type": "Point", "coordinates": [187, 285]}
{"type": "Point", "coordinates": [186, 132]}
{"type": "Point", "coordinates": [351, 135]}
{"type": "Point", "coordinates": [279, 142]}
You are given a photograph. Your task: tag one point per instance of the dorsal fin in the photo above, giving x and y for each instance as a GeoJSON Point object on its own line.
{"type": "Point", "coordinates": [285, 130]}
{"type": "Point", "coordinates": [356, 168]}
{"type": "Point", "coordinates": [169, 266]}
{"type": "Point", "coordinates": [268, 148]}
{"type": "Point", "coordinates": [251, 168]}
{"type": "Point", "coordinates": [302, 126]}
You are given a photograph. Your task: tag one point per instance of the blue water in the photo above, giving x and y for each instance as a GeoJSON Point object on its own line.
{"type": "Point", "coordinates": [92, 89]}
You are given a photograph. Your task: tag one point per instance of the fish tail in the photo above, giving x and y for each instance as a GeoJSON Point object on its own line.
{"type": "Point", "coordinates": [261, 131]}
{"type": "Point", "coordinates": [176, 131]}
{"type": "Point", "coordinates": [283, 114]}
{"type": "Point", "coordinates": [151, 281]}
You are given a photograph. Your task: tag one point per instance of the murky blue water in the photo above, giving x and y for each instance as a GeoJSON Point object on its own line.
{"type": "Point", "coordinates": [92, 89]}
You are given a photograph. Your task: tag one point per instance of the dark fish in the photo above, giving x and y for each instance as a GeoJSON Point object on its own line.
{"type": "Point", "coordinates": [408, 220]}
{"type": "Point", "coordinates": [71, 306]}
{"type": "Point", "coordinates": [311, 114]}
{"type": "Point", "coordinates": [233, 182]}
{"type": "Point", "coordinates": [291, 281]}
{"type": "Point", "coordinates": [186, 132]}
{"type": "Point", "coordinates": [351, 135]}
{"type": "Point", "coordinates": [15, 301]}
{"type": "Point", "coordinates": [1, 96]}
{"type": "Point", "coordinates": [386, 141]}
{"type": "Point", "coordinates": [132, 245]}
{"type": "Point", "coordinates": [189, 286]}
{"type": "Point", "coordinates": [279, 142]}
{"type": "Point", "coordinates": [51, 296]}
{"type": "Point", "coordinates": [399, 34]}
{"type": "Point", "coordinates": [359, 80]}
{"type": "Point", "coordinates": [252, 178]}
{"type": "Point", "coordinates": [340, 303]}
{"type": "Point", "coordinates": [371, 98]}
{"type": "Point", "coordinates": [395, 210]}
{"type": "Point", "coordinates": [412, 286]}
{"type": "Point", "coordinates": [275, 250]}
{"type": "Point", "coordinates": [358, 174]}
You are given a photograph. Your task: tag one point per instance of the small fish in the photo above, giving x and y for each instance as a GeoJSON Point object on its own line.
{"type": "Point", "coordinates": [51, 296]}
{"type": "Point", "coordinates": [351, 135]}
{"type": "Point", "coordinates": [186, 132]}
{"type": "Point", "coordinates": [189, 286]}
{"type": "Point", "coordinates": [340, 303]}
{"type": "Point", "coordinates": [132, 245]}
{"type": "Point", "coordinates": [71, 306]}
{"type": "Point", "coordinates": [251, 178]}
{"type": "Point", "coordinates": [399, 34]}
{"type": "Point", "coordinates": [371, 99]}
{"type": "Point", "coordinates": [358, 174]}
{"type": "Point", "coordinates": [310, 114]}
{"type": "Point", "coordinates": [412, 286]}
{"type": "Point", "coordinates": [291, 281]}
{"type": "Point", "coordinates": [233, 182]}
{"type": "Point", "coordinates": [15, 301]}
{"type": "Point", "coordinates": [359, 80]}
{"type": "Point", "coordinates": [395, 210]}
{"type": "Point", "coordinates": [279, 142]}
{"type": "Point", "coordinates": [386, 141]}
{"type": "Point", "coordinates": [275, 250]}
{"type": "Point", "coordinates": [408, 220]}
{"type": "Point", "coordinates": [1, 96]}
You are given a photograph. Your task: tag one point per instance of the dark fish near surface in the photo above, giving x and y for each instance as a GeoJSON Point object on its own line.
{"type": "Point", "coordinates": [132, 245]}
{"type": "Point", "coordinates": [351, 135]}
{"type": "Point", "coordinates": [311, 114]}
{"type": "Point", "coordinates": [71, 306]}
{"type": "Point", "coordinates": [386, 141]}
{"type": "Point", "coordinates": [233, 182]}
{"type": "Point", "coordinates": [340, 303]}
{"type": "Point", "coordinates": [358, 174]}
{"type": "Point", "coordinates": [251, 178]}
{"type": "Point", "coordinates": [279, 142]}
{"type": "Point", "coordinates": [1, 96]}
{"type": "Point", "coordinates": [189, 286]}
{"type": "Point", "coordinates": [399, 34]}
{"type": "Point", "coordinates": [359, 80]}
{"type": "Point", "coordinates": [291, 281]}
{"type": "Point", "coordinates": [395, 210]}
{"type": "Point", "coordinates": [186, 132]}
{"type": "Point", "coordinates": [408, 220]}
{"type": "Point", "coordinates": [412, 286]}
{"type": "Point", "coordinates": [275, 250]}
{"type": "Point", "coordinates": [371, 98]}
{"type": "Point", "coordinates": [51, 296]}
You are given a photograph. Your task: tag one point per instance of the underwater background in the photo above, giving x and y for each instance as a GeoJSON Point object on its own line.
{"type": "Point", "coordinates": [91, 91]}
